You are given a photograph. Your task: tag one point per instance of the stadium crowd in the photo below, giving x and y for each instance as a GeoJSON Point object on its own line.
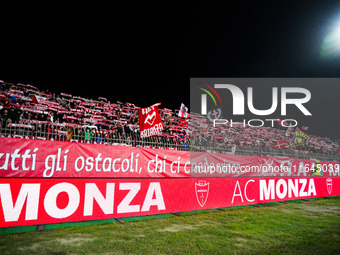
{"type": "Point", "coordinates": [27, 112]}
{"type": "Point", "coordinates": [257, 141]}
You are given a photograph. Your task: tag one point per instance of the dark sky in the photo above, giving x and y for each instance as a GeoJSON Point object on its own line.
{"type": "Point", "coordinates": [278, 39]}
{"type": "Point", "coordinates": [146, 54]}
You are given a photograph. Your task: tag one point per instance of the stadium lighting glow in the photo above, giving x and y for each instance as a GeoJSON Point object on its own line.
{"type": "Point", "coordinates": [336, 37]}
{"type": "Point", "coordinates": [331, 43]}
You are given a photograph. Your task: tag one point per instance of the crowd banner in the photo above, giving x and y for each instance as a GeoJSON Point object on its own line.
{"type": "Point", "coordinates": [40, 158]}
{"type": "Point", "coordinates": [46, 182]}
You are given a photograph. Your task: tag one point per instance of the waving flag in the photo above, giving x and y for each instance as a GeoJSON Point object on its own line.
{"type": "Point", "coordinates": [183, 112]}
{"type": "Point", "coordinates": [282, 123]}
{"type": "Point", "coordinates": [281, 144]}
{"type": "Point", "coordinates": [299, 139]}
{"type": "Point", "coordinates": [150, 123]}
{"type": "Point", "coordinates": [289, 131]}
{"type": "Point", "coordinates": [37, 99]}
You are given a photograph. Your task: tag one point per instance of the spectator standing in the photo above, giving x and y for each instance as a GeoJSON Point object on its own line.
{"type": "Point", "coordinates": [87, 135]}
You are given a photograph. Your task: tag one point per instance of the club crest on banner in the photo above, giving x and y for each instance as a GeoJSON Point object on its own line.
{"type": "Point", "coordinates": [329, 183]}
{"type": "Point", "coordinates": [202, 192]}
{"type": "Point", "coordinates": [150, 118]}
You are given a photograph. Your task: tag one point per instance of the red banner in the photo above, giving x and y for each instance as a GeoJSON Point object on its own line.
{"type": "Point", "coordinates": [51, 159]}
{"type": "Point", "coordinates": [39, 158]}
{"type": "Point", "coordinates": [150, 122]}
{"type": "Point", "coordinates": [81, 182]}
{"type": "Point", "coordinates": [34, 201]}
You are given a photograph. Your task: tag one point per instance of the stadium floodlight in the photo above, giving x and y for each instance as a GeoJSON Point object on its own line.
{"type": "Point", "coordinates": [331, 43]}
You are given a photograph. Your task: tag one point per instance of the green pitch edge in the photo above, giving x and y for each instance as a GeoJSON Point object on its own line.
{"type": "Point", "coordinates": [21, 229]}
{"type": "Point", "coordinates": [148, 217]}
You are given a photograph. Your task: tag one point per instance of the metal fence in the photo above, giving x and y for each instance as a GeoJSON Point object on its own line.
{"type": "Point", "coordinates": [269, 152]}
{"type": "Point", "coordinates": [261, 151]}
{"type": "Point", "coordinates": [91, 134]}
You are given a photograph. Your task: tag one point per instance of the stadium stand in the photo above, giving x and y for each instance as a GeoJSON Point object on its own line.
{"type": "Point", "coordinates": [258, 141]}
{"type": "Point", "coordinates": [27, 112]}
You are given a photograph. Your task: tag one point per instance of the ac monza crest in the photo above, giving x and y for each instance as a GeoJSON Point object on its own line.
{"type": "Point", "coordinates": [202, 192]}
{"type": "Point", "coordinates": [329, 183]}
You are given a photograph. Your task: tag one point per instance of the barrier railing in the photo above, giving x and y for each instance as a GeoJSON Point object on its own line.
{"type": "Point", "coordinates": [44, 130]}
{"type": "Point", "coordinates": [265, 152]}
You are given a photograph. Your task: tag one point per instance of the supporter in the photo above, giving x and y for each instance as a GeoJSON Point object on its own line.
{"type": "Point", "coordinates": [69, 135]}
{"type": "Point", "coordinates": [20, 117]}
{"type": "Point", "coordinates": [40, 131]}
{"type": "Point", "coordinates": [13, 114]}
{"type": "Point", "coordinates": [77, 134]}
{"type": "Point", "coordinates": [4, 115]}
{"type": "Point", "coordinates": [87, 135]}
{"type": "Point", "coordinates": [53, 98]}
{"type": "Point", "coordinates": [119, 130]}
{"type": "Point", "coordinates": [51, 132]}
{"type": "Point", "coordinates": [51, 117]}
{"type": "Point", "coordinates": [184, 145]}
{"type": "Point", "coordinates": [42, 117]}
{"type": "Point", "coordinates": [6, 122]}
{"type": "Point", "coordinates": [28, 116]}
{"type": "Point", "coordinates": [98, 134]}
{"type": "Point", "coordinates": [127, 130]}
{"type": "Point", "coordinates": [5, 103]}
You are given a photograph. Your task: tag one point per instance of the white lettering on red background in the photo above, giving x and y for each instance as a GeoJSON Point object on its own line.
{"type": "Point", "coordinates": [29, 193]}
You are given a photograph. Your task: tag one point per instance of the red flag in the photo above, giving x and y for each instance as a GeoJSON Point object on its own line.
{"type": "Point", "coordinates": [37, 99]}
{"type": "Point", "coordinates": [281, 144]}
{"type": "Point", "coordinates": [305, 128]}
{"type": "Point", "coordinates": [150, 123]}
{"type": "Point", "coordinates": [289, 131]}
{"type": "Point", "coordinates": [282, 123]}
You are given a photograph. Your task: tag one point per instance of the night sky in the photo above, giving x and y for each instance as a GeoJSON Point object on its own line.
{"type": "Point", "coordinates": [146, 54]}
